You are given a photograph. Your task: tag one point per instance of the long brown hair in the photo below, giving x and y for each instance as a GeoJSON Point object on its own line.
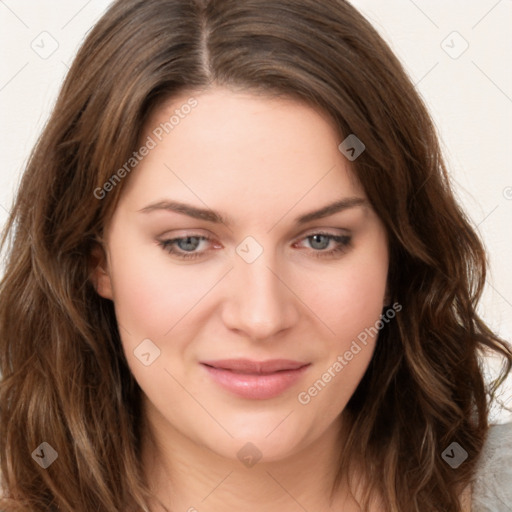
{"type": "Point", "coordinates": [65, 380]}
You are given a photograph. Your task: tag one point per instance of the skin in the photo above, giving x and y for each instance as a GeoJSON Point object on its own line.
{"type": "Point", "coordinates": [261, 162]}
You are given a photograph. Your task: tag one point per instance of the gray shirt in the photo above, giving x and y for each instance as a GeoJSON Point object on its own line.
{"type": "Point", "coordinates": [492, 487]}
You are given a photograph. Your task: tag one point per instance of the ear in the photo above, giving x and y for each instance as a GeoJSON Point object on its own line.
{"type": "Point", "coordinates": [99, 274]}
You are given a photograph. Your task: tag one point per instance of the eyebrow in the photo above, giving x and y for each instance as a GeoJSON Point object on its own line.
{"type": "Point", "coordinates": [218, 218]}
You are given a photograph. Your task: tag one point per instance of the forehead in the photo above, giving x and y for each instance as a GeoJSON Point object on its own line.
{"type": "Point", "coordinates": [240, 148]}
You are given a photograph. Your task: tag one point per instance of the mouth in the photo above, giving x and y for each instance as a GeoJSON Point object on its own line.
{"type": "Point", "coordinates": [247, 366]}
{"type": "Point", "coordinates": [253, 379]}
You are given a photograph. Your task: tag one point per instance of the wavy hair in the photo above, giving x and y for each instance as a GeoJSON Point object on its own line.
{"type": "Point", "coordinates": [64, 377]}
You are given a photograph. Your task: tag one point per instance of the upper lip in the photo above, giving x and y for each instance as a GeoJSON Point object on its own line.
{"type": "Point", "coordinates": [257, 367]}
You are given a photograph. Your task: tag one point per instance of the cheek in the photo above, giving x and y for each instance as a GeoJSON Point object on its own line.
{"type": "Point", "coordinates": [151, 294]}
{"type": "Point", "coordinates": [351, 296]}
{"type": "Point", "coordinates": [349, 302]}
{"type": "Point", "coordinates": [137, 290]}
{"type": "Point", "coordinates": [151, 298]}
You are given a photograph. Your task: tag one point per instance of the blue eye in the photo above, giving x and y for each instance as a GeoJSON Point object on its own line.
{"type": "Point", "coordinates": [186, 247]}
{"type": "Point", "coordinates": [320, 241]}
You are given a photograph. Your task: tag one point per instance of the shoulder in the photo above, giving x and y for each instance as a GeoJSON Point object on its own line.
{"type": "Point", "coordinates": [492, 487]}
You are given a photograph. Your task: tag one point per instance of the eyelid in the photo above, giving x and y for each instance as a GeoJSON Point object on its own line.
{"type": "Point", "coordinates": [324, 231]}
{"type": "Point", "coordinates": [184, 233]}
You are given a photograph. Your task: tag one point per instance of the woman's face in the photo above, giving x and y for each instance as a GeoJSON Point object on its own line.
{"type": "Point", "coordinates": [222, 248]}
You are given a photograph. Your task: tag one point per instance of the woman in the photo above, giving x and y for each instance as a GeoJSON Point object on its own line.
{"type": "Point", "coordinates": [238, 278]}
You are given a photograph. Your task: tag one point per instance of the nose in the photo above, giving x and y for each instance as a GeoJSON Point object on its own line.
{"type": "Point", "coordinates": [261, 302]}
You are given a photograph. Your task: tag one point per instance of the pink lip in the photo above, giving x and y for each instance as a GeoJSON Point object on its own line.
{"type": "Point", "coordinates": [253, 379]}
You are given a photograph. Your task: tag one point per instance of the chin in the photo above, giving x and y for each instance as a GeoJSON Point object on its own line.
{"type": "Point", "coordinates": [275, 438]}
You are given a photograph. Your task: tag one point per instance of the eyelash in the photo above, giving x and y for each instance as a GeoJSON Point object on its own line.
{"type": "Point", "coordinates": [343, 243]}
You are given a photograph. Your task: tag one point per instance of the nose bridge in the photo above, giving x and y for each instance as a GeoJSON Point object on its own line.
{"type": "Point", "coordinates": [261, 305]}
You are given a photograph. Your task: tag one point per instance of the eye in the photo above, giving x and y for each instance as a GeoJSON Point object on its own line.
{"type": "Point", "coordinates": [321, 241]}
{"type": "Point", "coordinates": [186, 247]}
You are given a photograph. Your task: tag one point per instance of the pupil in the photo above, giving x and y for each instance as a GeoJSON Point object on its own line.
{"type": "Point", "coordinates": [315, 240]}
{"type": "Point", "coordinates": [185, 244]}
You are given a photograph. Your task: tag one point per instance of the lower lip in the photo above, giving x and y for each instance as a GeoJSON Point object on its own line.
{"type": "Point", "coordinates": [256, 387]}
